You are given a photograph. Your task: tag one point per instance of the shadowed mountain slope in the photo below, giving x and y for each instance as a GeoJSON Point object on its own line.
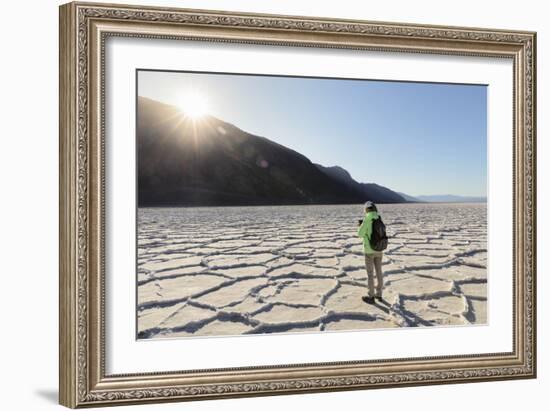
{"type": "Point", "coordinates": [369, 190]}
{"type": "Point", "coordinates": [208, 162]}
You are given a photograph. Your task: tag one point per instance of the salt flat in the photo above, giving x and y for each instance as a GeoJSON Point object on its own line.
{"type": "Point", "coordinates": [245, 270]}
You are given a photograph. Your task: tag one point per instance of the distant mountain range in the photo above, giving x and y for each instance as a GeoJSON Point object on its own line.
{"type": "Point", "coordinates": [209, 162]}
{"type": "Point", "coordinates": [444, 198]}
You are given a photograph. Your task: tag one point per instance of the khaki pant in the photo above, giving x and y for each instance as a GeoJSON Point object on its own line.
{"type": "Point", "coordinates": [374, 260]}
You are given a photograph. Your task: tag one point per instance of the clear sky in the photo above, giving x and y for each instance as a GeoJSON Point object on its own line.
{"type": "Point", "coordinates": [416, 138]}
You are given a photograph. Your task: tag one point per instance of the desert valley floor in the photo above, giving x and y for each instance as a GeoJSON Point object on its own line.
{"type": "Point", "coordinates": [247, 270]}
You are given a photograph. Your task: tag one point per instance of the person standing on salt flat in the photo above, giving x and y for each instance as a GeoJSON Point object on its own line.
{"type": "Point", "coordinates": [373, 232]}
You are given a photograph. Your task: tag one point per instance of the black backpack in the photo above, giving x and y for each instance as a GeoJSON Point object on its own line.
{"type": "Point", "coordinates": [378, 238]}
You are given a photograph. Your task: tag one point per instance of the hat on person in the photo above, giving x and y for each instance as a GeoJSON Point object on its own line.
{"type": "Point", "coordinates": [370, 204]}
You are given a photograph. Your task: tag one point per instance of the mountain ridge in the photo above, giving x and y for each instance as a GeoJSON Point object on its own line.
{"type": "Point", "coordinates": [183, 162]}
{"type": "Point", "coordinates": [342, 175]}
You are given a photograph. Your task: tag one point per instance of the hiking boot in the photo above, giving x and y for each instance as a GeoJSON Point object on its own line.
{"type": "Point", "coordinates": [378, 297]}
{"type": "Point", "coordinates": [368, 300]}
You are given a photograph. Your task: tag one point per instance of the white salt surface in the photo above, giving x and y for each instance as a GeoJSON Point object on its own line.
{"type": "Point", "coordinates": [244, 270]}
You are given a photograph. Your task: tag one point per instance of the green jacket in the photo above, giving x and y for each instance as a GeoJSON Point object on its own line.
{"type": "Point", "coordinates": [365, 231]}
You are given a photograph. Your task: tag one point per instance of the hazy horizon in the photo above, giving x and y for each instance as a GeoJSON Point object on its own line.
{"type": "Point", "coordinates": [326, 120]}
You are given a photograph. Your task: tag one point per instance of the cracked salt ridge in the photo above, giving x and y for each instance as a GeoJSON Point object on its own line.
{"type": "Point", "coordinates": [307, 261]}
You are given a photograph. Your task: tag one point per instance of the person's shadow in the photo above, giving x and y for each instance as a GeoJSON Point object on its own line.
{"type": "Point", "coordinates": [383, 301]}
{"type": "Point", "coordinates": [49, 395]}
{"type": "Point", "coordinates": [383, 305]}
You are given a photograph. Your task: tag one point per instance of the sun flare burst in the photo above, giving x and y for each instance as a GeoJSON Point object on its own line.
{"type": "Point", "coordinates": [194, 105]}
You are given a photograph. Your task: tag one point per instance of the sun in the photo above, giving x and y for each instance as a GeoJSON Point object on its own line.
{"type": "Point", "coordinates": [194, 105]}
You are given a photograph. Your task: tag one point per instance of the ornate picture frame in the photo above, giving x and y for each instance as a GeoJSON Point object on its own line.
{"type": "Point", "coordinates": [84, 28]}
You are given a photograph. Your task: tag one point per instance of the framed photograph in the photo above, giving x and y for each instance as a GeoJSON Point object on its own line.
{"type": "Point", "coordinates": [259, 204]}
